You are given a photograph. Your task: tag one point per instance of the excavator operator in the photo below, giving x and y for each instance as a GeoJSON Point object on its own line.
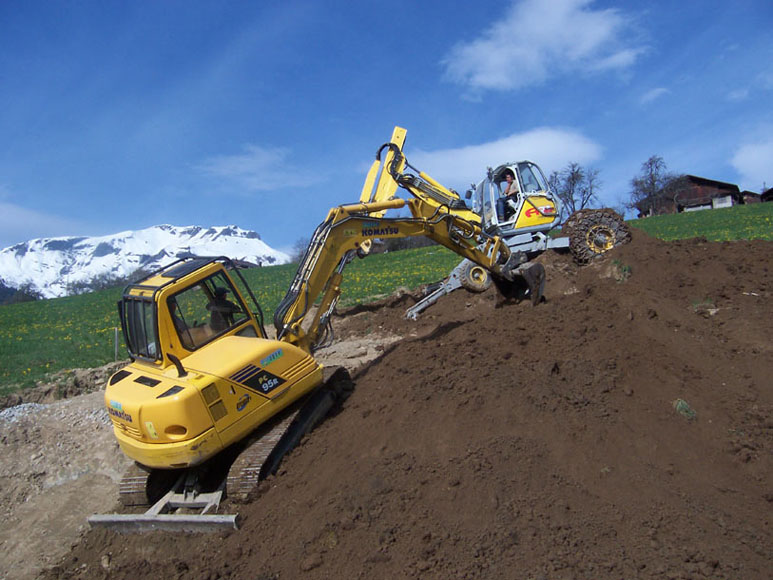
{"type": "Point", "coordinates": [509, 200]}
{"type": "Point", "coordinates": [221, 310]}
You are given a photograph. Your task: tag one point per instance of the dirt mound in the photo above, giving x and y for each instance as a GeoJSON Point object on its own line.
{"type": "Point", "coordinates": [63, 385]}
{"type": "Point", "coordinates": [622, 429]}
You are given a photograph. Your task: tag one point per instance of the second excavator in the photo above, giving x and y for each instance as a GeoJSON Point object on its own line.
{"type": "Point", "coordinates": [210, 403]}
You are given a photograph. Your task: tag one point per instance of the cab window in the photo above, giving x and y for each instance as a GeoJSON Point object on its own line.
{"type": "Point", "coordinates": [206, 310]}
{"type": "Point", "coordinates": [532, 180]}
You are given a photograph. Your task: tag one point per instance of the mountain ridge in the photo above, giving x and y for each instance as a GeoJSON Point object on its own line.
{"type": "Point", "coordinates": [62, 266]}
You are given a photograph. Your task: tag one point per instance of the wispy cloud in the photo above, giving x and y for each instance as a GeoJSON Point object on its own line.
{"type": "Point", "coordinates": [762, 82]}
{"type": "Point", "coordinates": [258, 168]}
{"type": "Point", "coordinates": [738, 94]}
{"type": "Point", "coordinates": [754, 162]}
{"type": "Point", "coordinates": [540, 39]}
{"type": "Point", "coordinates": [19, 224]}
{"type": "Point", "coordinates": [551, 148]}
{"type": "Point", "coordinates": [653, 95]}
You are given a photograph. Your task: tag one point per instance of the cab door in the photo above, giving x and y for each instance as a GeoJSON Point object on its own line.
{"type": "Point", "coordinates": [485, 202]}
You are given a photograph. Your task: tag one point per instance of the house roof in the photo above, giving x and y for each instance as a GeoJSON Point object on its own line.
{"type": "Point", "coordinates": [713, 183]}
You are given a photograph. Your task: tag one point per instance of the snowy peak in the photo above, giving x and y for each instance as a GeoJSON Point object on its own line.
{"type": "Point", "coordinates": [54, 267]}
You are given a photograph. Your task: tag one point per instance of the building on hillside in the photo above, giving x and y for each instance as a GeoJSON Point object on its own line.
{"type": "Point", "coordinates": [750, 196]}
{"type": "Point", "coordinates": [696, 193]}
{"type": "Point", "coordinates": [692, 193]}
{"type": "Point", "coordinates": [767, 195]}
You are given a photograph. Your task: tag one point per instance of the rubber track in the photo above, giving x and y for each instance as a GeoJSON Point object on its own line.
{"type": "Point", "coordinates": [244, 474]}
{"type": "Point", "coordinates": [132, 489]}
{"type": "Point", "coordinates": [262, 456]}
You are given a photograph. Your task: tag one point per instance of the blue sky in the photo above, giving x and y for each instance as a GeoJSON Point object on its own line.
{"type": "Point", "coordinates": [122, 115]}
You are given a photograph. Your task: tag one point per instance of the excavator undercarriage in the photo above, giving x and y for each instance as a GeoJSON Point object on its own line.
{"type": "Point", "coordinates": [187, 501]}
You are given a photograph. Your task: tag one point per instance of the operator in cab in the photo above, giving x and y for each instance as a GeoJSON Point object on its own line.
{"type": "Point", "coordinates": [221, 310]}
{"type": "Point", "coordinates": [509, 200]}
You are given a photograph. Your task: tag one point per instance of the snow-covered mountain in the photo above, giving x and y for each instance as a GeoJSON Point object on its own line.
{"type": "Point", "coordinates": [54, 267]}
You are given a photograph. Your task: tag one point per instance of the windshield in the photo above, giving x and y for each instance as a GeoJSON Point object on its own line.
{"type": "Point", "coordinates": [138, 319]}
{"type": "Point", "coordinates": [531, 177]}
{"type": "Point", "coordinates": [206, 310]}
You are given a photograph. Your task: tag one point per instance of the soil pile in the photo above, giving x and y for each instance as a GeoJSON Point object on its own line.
{"type": "Point", "coordinates": [622, 429]}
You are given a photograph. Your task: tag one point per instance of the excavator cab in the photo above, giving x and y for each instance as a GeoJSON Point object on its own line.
{"type": "Point", "coordinates": [185, 293]}
{"type": "Point", "coordinates": [534, 208]}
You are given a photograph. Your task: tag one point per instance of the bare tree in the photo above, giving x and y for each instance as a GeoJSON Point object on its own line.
{"type": "Point", "coordinates": [576, 187]}
{"type": "Point", "coordinates": [299, 249]}
{"type": "Point", "coordinates": [653, 190]}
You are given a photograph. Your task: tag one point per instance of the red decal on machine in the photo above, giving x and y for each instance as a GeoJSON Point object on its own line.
{"type": "Point", "coordinates": [544, 210]}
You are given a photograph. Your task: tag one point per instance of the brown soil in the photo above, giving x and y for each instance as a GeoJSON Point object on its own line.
{"type": "Point", "coordinates": [622, 429]}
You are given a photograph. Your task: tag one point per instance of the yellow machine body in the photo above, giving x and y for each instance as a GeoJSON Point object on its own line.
{"type": "Point", "coordinates": [537, 210]}
{"type": "Point", "coordinates": [203, 378]}
{"type": "Point", "coordinates": [227, 383]}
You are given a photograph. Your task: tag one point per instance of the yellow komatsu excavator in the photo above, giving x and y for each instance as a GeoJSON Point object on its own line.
{"type": "Point", "coordinates": [210, 403]}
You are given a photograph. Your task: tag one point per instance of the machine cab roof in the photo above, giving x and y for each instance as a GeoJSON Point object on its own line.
{"type": "Point", "coordinates": [182, 307]}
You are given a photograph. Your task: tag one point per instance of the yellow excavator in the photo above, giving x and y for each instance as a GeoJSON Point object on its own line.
{"type": "Point", "coordinates": [210, 403]}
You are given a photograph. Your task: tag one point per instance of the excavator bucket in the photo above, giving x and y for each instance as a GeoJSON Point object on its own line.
{"type": "Point", "coordinates": [526, 282]}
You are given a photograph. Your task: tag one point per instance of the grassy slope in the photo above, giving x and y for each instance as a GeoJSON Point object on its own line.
{"type": "Point", "coordinates": [37, 338]}
{"type": "Point", "coordinates": [743, 222]}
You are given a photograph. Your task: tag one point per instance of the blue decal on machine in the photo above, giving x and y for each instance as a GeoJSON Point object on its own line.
{"type": "Point", "coordinates": [274, 356]}
{"type": "Point", "coordinates": [116, 405]}
{"type": "Point", "coordinates": [242, 402]}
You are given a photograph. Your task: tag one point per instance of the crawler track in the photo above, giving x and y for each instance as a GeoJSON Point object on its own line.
{"type": "Point", "coordinates": [255, 460]}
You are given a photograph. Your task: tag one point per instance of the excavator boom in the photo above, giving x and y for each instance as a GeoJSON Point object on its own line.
{"type": "Point", "coordinates": [207, 387]}
{"type": "Point", "coordinates": [438, 213]}
{"type": "Point", "coordinates": [347, 229]}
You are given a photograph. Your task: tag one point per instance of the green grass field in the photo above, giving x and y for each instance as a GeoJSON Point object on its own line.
{"type": "Point", "coordinates": [37, 338]}
{"type": "Point", "coordinates": [742, 222]}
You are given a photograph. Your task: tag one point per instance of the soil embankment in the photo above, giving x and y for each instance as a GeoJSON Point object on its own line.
{"type": "Point", "coordinates": [622, 429]}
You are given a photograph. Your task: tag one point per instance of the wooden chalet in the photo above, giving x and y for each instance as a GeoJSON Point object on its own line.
{"type": "Point", "coordinates": [697, 193]}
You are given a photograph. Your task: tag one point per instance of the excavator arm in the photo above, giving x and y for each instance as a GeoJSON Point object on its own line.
{"type": "Point", "coordinates": [432, 195]}
{"type": "Point", "coordinates": [338, 240]}
{"type": "Point", "coordinates": [438, 213]}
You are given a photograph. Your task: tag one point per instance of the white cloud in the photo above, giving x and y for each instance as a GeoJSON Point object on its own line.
{"type": "Point", "coordinates": [19, 224]}
{"type": "Point", "coordinates": [539, 39]}
{"type": "Point", "coordinates": [551, 148]}
{"type": "Point", "coordinates": [738, 95]}
{"type": "Point", "coordinates": [653, 95]}
{"type": "Point", "coordinates": [258, 169]}
{"type": "Point", "coordinates": [754, 162]}
{"type": "Point", "coordinates": [762, 82]}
